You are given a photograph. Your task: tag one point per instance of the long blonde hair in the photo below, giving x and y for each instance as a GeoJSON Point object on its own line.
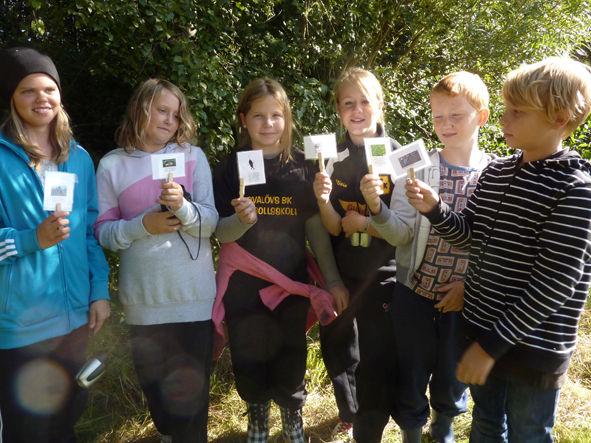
{"type": "Point", "coordinates": [60, 135]}
{"type": "Point", "coordinates": [130, 134]}
{"type": "Point", "coordinates": [259, 88]}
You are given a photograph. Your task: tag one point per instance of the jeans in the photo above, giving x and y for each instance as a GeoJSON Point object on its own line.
{"type": "Point", "coordinates": [511, 411]}
{"type": "Point", "coordinates": [427, 348]}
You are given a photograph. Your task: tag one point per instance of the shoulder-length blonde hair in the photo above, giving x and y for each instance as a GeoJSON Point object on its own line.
{"type": "Point", "coordinates": [60, 135]}
{"type": "Point", "coordinates": [131, 132]}
{"type": "Point", "coordinates": [259, 88]}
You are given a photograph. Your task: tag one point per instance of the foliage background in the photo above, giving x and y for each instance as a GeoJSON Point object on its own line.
{"type": "Point", "coordinates": [211, 49]}
{"type": "Point", "coordinates": [104, 48]}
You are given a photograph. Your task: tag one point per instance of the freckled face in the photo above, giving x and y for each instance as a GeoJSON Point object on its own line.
{"type": "Point", "coordinates": [455, 120]}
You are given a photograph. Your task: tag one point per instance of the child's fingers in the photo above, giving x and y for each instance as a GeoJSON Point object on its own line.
{"type": "Point", "coordinates": [170, 185]}
{"type": "Point", "coordinates": [241, 201]}
{"type": "Point", "coordinates": [321, 176]}
{"type": "Point", "coordinates": [92, 319]}
{"type": "Point", "coordinates": [241, 204]}
{"type": "Point", "coordinates": [62, 221]}
{"type": "Point", "coordinates": [59, 214]}
{"type": "Point", "coordinates": [173, 222]}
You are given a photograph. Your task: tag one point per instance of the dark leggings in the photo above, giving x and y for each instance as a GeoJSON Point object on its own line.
{"type": "Point", "coordinates": [39, 398]}
{"type": "Point", "coordinates": [173, 364]}
{"type": "Point", "coordinates": [268, 348]}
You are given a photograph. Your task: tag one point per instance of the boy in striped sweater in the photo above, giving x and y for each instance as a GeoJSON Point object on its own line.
{"type": "Point", "coordinates": [528, 228]}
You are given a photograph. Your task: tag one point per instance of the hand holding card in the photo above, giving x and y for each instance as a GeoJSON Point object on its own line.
{"type": "Point", "coordinates": [53, 229]}
{"type": "Point", "coordinates": [166, 167]}
{"type": "Point", "coordinates": [171, 196]}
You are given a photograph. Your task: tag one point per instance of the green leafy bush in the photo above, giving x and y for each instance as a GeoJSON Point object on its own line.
{"type": "Point", "coordinates": [211, 49]}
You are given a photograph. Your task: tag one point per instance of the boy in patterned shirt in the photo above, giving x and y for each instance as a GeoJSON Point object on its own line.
{"type": "Point", "coordinates": [428, 295]}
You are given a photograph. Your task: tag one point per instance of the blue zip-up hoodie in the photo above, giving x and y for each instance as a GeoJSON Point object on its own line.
{"type": "Point", "coordinates": [46, 293]}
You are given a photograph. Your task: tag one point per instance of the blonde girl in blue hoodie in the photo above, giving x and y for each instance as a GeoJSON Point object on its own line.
{"type": "Point", "coordinates": [53, 274]}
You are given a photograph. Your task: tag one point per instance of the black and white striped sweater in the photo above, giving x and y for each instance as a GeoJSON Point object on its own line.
{"type": "Point", "coordinates": [528, 228]}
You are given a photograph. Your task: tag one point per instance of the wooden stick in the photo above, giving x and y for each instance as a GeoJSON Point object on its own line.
{"type": "Point", "coordinates": [58, 207]}
{"type": "Point", "coordinates": [169, 177]}
{"type": "Point", "coordinates": [320, 162]}
{"type": "Point", "coordinates": [370, 168]}
{"type": "Point", "coordinates": [411, 174]}
{"type": "Point", "coordinates": [242, 189]}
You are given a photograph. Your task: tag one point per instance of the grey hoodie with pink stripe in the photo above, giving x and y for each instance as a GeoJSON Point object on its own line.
{"type": "Point", "coordinates": [159, 282]}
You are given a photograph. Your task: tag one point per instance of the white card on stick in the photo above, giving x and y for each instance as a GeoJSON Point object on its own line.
{"type": "Point", "coordinates": [414, 155]}
{"type": "Point", "coordinates": [165, 164]}
{"type": "Point", "coordinates": [325, 144]}
{"type": "Point", "coordinates": [377, 150]}
{"type": "Point", "coordinates": [251, 167]}
{"type": "Point", "coordinates": [58, 189]}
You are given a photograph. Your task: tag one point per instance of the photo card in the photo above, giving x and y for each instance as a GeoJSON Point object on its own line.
{"type": "Point", "coordinates": [325, 144]}
{"type": "Point", "coordinates": [377, 150]}
{"type": "Point", "coordinates": [58, 189]}
{"type": "Point", "coordinates": [414, 155]}
{"type": "Point", "coordinates": [251, 167]}
{"type": "Point", "coordinates": [165, 164]}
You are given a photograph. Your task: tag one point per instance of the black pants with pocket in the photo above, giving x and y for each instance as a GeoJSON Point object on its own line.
{"type": "Point", "coordinates": [358, 352]}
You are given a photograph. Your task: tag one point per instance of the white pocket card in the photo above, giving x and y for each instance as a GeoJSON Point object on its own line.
{"type": "Point", "coordinates": [58, 189]}
{"type": "Point", "coordinates": [251, 167]}
{"type": "Point", "coordinates": [165, 164]}
{"type": "Point", "coordinates": [414, 155]}
{"type": "Point", "coordinates": [377, 150]}
{"type": "Point", "coordinates": [325, 144]}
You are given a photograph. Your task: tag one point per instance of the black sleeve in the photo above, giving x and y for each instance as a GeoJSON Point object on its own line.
{"type": "Point", "coordinates": [225, 185]}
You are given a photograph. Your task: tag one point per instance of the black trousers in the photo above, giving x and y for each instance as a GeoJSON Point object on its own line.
{"type": "Point", "coordinates": [268, 348]}
{"type": "Point", "coordinates": [358, 351]}
{"type": "Point", "coordinates": [39, 398]}
{"type": "Point", "coordinates": [173, 364]}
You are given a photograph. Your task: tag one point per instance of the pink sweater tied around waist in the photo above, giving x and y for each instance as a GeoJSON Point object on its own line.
{"type": "Point", "coordinates": [235, 258]}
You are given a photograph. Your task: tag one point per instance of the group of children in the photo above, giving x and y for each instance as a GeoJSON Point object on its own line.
{"type": "Point", "coordinates": [475, 272]}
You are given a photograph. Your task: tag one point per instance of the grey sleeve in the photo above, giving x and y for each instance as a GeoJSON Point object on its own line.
{"type": "Point", "coordinates": [202, 198]}
{"type": "Point", "coordinates": [396, 225]}
{"type": "Point", "coordinates": [321, 245]}
{"type": "Point", "coordinates": [230, 228]}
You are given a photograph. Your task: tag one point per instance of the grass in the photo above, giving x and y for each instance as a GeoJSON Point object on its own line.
{"type": "Point", "coordinates": [117, 411]}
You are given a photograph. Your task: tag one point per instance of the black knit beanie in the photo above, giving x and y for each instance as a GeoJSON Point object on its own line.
{"type": "Point", "coordinates": [16, 64]}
